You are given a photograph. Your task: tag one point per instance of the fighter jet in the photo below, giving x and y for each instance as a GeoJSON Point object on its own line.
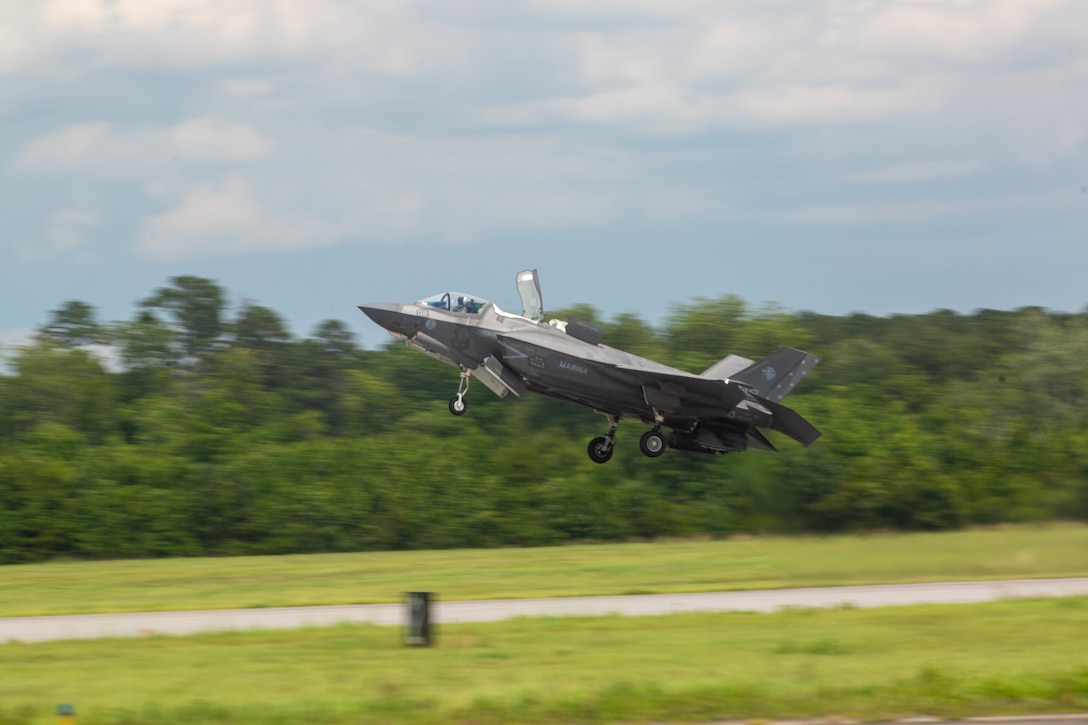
{"type": "Point", "coordinates": [718, 411]}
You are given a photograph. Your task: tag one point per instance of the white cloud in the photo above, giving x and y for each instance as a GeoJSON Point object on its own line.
{"type": "Point", "coordinates": [74, 37]}
{"type": "Point", "coordinates": [669, 109]}
{"type": "Point", "coordinates": [919, 210]}
{"type": "Point", "coordinates": [709, 66]}
{"type": "Point", "coordinates": [209, 140]}
{"type": "Point", "coordinates": [850, 214]}
{"type": "Point", "coordinates": [690, 66]}
{"type": "Point", "coordinates": [935, 87]}
{"type": "Point", "coordinates": [13, 337]}
{"type": "Point", "coordinates": [835, 103]}
{"type": "Point", "coordinates": [107, 150]}
{"type": "Point", "coordinates": [461, 189]}
{"type": "Point", "coordinates": [246, 86]}
{"type": "Point", "coordinates": [64, 238]}
{"type": "Point", "coordinates": [977, 32]}
{"type": "Point", "coordinates": [920, 171]}
{"type": "Point", "coordinates": [224, 219]}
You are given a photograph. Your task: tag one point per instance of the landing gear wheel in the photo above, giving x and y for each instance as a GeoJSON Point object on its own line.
{"type": "Point", "coordinates": [652, 443]}
{"type": "Point", "coordinates": [600, 449]}
{"type": "Point", "coordinates": [457, 402]}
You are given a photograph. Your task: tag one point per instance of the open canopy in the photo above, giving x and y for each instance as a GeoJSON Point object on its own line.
{"type": "Point", "coordinates": [529, 290]}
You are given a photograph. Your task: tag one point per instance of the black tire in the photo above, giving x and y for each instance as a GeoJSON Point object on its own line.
{"type": "Point", "coordinates": [652, 443]}
{"type": "Point", "coordinates": [600, 450]}
{"type": "Point", "coordinates": [458, 406]}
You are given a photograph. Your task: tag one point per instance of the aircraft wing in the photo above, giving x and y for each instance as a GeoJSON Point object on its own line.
{"type": "Point", "coordinates": [668, 391]}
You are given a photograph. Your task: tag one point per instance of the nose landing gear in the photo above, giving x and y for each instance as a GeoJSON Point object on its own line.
{"type": "Point", "coordinates": [458, 406]}
{"type": "Point", "coordinates": [600, 448]}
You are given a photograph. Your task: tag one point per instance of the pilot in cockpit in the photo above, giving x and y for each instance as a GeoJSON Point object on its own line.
{"type": "Point", "coordinates": [467, 305]}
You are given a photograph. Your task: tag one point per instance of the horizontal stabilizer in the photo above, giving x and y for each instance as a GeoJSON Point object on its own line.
{"type": "Point", "coordinates": [727, 367]}
{"type": "Point", "coordinates": [757, 440]}
{"type": "Point", "coordinates": [789, 422]}
{"type": "Point", "coordinates": [775, 376]}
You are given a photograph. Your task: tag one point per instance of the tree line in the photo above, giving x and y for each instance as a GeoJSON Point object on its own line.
{"type": "Point", "coordinates": [214, 431]}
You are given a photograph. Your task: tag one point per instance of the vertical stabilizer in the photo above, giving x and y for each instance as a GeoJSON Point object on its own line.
{"type": "Point", "coordinates": [775, 376]}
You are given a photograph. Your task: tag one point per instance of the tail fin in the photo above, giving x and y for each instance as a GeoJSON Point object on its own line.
{"type": "Point", "coordinates": [774, 376]}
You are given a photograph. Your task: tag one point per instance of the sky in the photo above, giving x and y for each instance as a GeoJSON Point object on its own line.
{"type": "Point", "coordinates": [837, 156]}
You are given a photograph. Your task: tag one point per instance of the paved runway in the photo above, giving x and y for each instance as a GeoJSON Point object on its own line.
{"type": "Point", "coordinates": [90, 626]}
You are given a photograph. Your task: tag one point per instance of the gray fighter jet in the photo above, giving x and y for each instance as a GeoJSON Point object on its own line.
{"type": "Point", "coordinates": [719, 411]}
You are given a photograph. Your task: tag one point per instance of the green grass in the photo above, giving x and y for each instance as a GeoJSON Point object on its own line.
{"type": "Point", "coordinates": [940, 660]}
{"type": "Point", "coordinates": [688, 566]}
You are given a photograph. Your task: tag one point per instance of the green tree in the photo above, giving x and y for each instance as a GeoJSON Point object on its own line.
{"type": "Point", "coordinates": [259, 328]}
{"type": "Point", "coordinates": [195, 306]}
{"type": "Point", "coordinates": [73, 324]}
{"type": "Point", "coordinates": [55, 385]}
{"type": "Point", "coordinates": [229, 437]}
{"type": "Point", "coordinates": [335, 340]}
{"type": "Point", "coordinates": [146, 342]}
{"type": "Point", "coordinates": [699, 334]}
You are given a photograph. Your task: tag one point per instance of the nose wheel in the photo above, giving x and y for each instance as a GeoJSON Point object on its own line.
{"type": "Point", "coordinates": [600, 448]}
{"type": "Point", "coordinates": [458, 406]}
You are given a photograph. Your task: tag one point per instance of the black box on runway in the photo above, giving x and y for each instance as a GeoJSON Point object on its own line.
{"type": "Point", "coordinates": [418, 631]}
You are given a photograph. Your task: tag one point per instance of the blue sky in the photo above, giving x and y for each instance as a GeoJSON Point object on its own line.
{"type": "Point", "coordinates": [827, 155]}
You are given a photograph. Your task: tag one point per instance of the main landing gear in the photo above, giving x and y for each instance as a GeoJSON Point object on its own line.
{"type": "Point", "coordinates": [652, 443]}
{"type": "Point", "coordinates": [458, 406]}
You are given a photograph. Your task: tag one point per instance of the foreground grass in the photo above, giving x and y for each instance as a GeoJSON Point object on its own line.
{"type": "Point", "coordinates": [940, 660]}
{"type": "Point", "coordinates": [691, 566]}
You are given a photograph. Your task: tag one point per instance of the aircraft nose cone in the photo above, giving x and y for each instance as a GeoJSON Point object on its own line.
{"type": "Point", "coordinates": [385, 314]}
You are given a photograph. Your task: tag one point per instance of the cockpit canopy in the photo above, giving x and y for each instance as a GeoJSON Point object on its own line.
{"type": "Point", "coordinates": [456, 302]}
{"type": "Point", "coordinates": [528, 290]}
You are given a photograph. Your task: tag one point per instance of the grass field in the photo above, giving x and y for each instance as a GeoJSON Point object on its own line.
{"type": "Point", "coordinates": [689, 566]}
{"type": "Point", "coordinates": [948, 660]}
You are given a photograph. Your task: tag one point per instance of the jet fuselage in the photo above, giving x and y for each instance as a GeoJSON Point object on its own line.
{"type": "Point", "coordinates": [719, 411]}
